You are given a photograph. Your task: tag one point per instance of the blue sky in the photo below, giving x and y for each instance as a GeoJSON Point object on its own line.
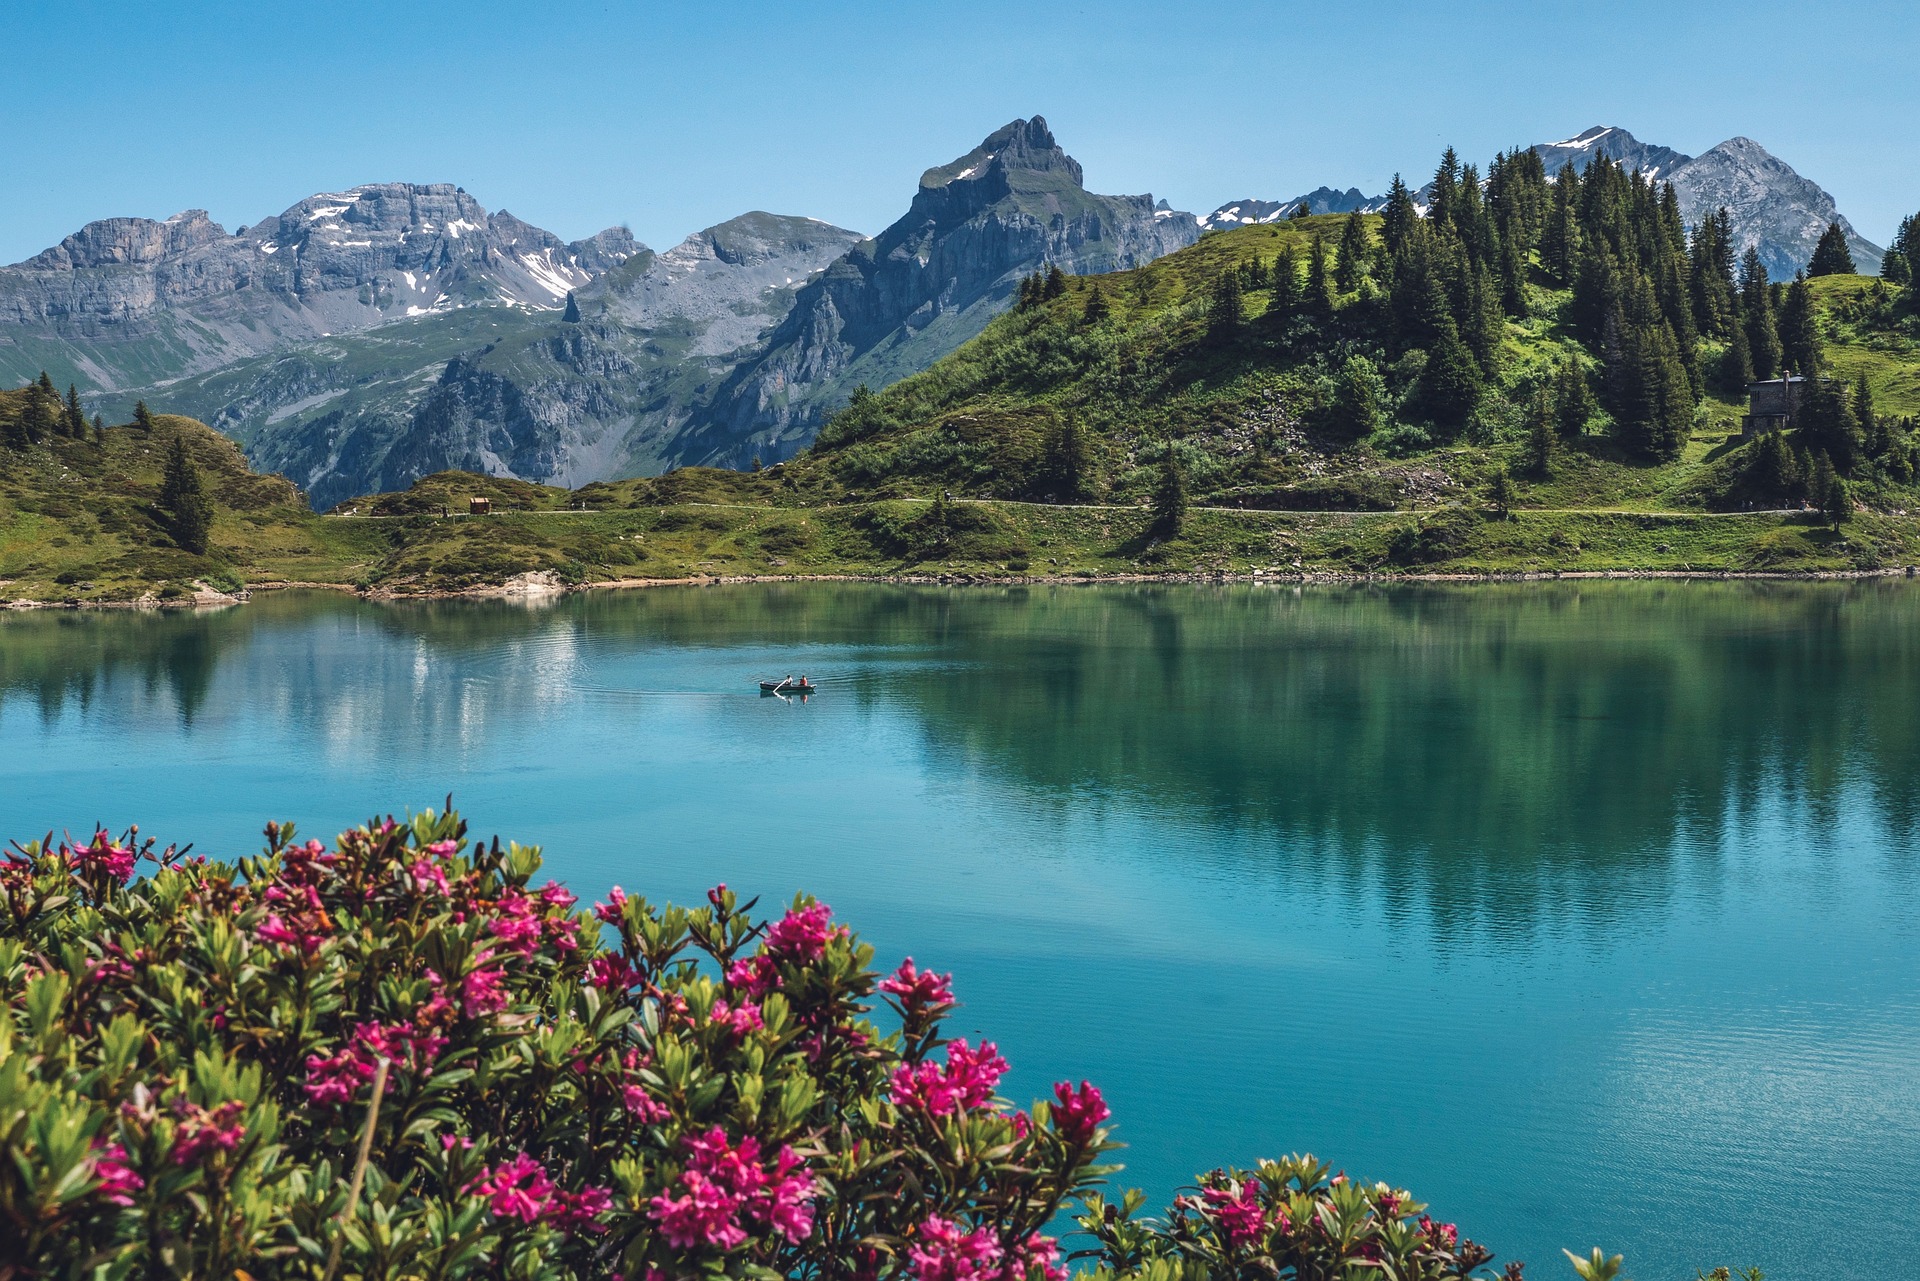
{"type": "Point", "coordinates": [668, 118]}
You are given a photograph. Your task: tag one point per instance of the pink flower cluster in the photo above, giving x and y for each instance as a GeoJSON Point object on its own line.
{"type": "Point", "coordinates": [802, 936]}
{"type": "Point", "coordinates": [484, 991]}
{"type": "Point", "coordinates": [118, 1182]}
{"type": "Point", "coordinates": [726, 1189]}
{"type": "Point", "coordinates": [944, 1252]}
{"type": "Point", "coordinates": [918, 990]}
{"type": "Point", "coordinates": [518, 1188]}
{"type": "Point", "coordinates": [1445, 1235]}
{"type": "Point", "coordinates": [412, 1046]}
{"type": "Point", "coordinates": [521, 922]}
{"type": "Point", "coordinates": [739, 1019]}
{"type": "Point", "coordinates": [610, 912]}
{"type": "Point", "coordinates": [101, 855]}
{"type": "Point", "coordinates": [612, 972]}
{"type": "Point", "coordinates": [202, 1131]}
{"type": "Point", "coordinates": [1241, 1213]}
{"type": "Point", "coordinates": [1078, 1113]}
{"type": "Point", "coordinates": [966, 1082]}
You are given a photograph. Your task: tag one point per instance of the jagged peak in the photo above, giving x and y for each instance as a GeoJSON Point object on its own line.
{"type": "Point", "coordinates": [1015, 146]}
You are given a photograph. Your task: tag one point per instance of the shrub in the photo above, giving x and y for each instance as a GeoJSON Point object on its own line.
{"type": "Point", "coordinates": [190, 1059]}
{"type": "Point", "coordinates": [398, 1057]}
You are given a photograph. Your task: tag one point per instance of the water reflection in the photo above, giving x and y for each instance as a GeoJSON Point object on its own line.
{"type": "Point", "coordinates": [1478, 752]}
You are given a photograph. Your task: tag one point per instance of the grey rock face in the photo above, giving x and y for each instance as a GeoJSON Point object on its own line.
{"type": "Point", "coordinates": [897, 303]}
{"type": "Point", "coordinates": [1773, 207]}
{"type": "Point", "coordinates": [1617, 145]}
{"type": "Point", "coordinates": [520, 392]}
{"type": "Point", "coordinates": [138, 301]}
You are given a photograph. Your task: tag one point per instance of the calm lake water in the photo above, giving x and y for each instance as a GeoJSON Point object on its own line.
{"type": "Point", "coordinates": [1587, 912]}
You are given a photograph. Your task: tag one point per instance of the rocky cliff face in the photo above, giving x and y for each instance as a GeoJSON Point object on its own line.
{"type": "Point", "coordinates": [1773, 207]}
{"type": "Point", "coordinates": [519, 392]}
{"type": "Point", "coordinates": [897, 303]}
{"type": "Point", "coordinates": [1617, 145]}
{"type": "Point", "coordinates": [1321, 200]}
{"type": "Point", "coordinates": [130, 301]}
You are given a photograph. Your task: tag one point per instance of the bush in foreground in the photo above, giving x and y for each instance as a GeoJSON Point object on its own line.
{"type": "Point", "coordinates": [398, 1057]}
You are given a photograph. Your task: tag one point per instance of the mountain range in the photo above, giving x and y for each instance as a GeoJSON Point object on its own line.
{"type": "Point", "coordinates": [362, 339]}
{"type": "Point", "coordinates": [1774, 209]}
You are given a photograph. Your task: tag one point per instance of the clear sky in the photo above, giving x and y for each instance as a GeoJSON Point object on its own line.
{"type": "Point", "coordinates": [669, 118]}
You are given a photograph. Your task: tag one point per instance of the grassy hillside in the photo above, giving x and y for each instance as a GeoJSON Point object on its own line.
{"type": "Point", "coordinates": [79, 518]}
{"type": "Point", "coordinates": [1248, 415]}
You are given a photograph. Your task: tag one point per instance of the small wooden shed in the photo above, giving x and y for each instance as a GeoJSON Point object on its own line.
{"type": "Point", "coordinates": [479, 506]}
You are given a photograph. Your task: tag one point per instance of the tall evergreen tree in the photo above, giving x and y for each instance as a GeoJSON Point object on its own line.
{"type": "Point", "coordinates": [1319, 300]}
{"type": "Point", "coordinates": [1226, 311]}
{"type": "Point", "coordinates": [1096, 309]}
{"type": "Point", "coordinates": [1573, 399]}
{"type": "Point", "coordinates": [1540, 431]}
{"type": "Point", "coordinates": [39, 418]}
{"type": "Point", "coordinates": [1285, 287]}
{"type": "Point", "coordinates": [1736, 362]}
{"type": "Point", "coordinates": [1757, 314]}
{"type": "Point", "coordinates": [1895, 269]}
{"type": "Point", "coordinates": [1500, 492]}
{"type": "Point", "coordinates": [1069, 465]}
{"type": "Point", "coordinates": [1397, 219]}
{"type": "Point", "coordinates": [1831, 257]}
{"type": "Point", "coordinates": [1826, 424]}
{"type": "Point", "coordinates": [74, 421]}
{"type": "Point", "coordinates": [1446, 190]}
{"type": "Point", "coordinates": [1450, 386]}
{"type": "Point", "coordinates": [143, 417]}
{"type": "Point", "coordinates": [183, 500]}
{"type": "Point", "coordinates": [1353, 253]}
{"type": "Point", "coordinates": [1799, 334]}
{"type": "Point", "coordinates": [1056, 282]}
{"type": "Point", "coordinates": [1170, 496]}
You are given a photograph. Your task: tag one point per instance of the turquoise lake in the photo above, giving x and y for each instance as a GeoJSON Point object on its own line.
{"type": "Point", "coordinates": [1587, 912]}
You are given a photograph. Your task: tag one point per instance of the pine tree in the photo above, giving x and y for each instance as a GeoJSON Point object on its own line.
{"type": "Point", "coordinates": [1226, 311]}
{"type": "Point", "coordinates": [1450, 386]}
{"type": "Point", "coordinates": [1757, 314]}
{"type": "Point", "coordinates": [1839, 504]}
{"type": "Point", "coordinates": [1895, 269]}
{"type": "Point", "coordinates": [1397, 219]}
{"type": "Point", "coordinates": [1736, 362]}
{"type": "Point", "coordinates": [1069, 466]}
{"type": "Point", "coordinates": [183, 500]}
{"type": "Point", "coordinates": [1799, 335]}
{"type": "Point", "coordinates": [1906, 241]}
{"type": "Point", "coordinates": [1500, 491]}
{"type": "Point", "coordinates": [99, 429]}
{"type": "Point", "coordinates": [1029, 293]}
{"type": "Point", "coordinates": [1096, 309]}
{"type": "Point", "coordinates": [1770, 467]}
{"type": "Point", "coordinates": [143, 417]}
{"type": "Point", "coordinates": [1284, 300]}
{"type": "Point", "coordinates": [1573, 400]}
{"type": "Point", "coordinates": [1170, 496]}
{"type": "Point", "coordinates": [1540, 427]}
{"type": "Point", "coordinates": [1446, 190]}
{"type": "Point", "coordinates": [1056, 283]}
{"type": "Point", "coordinates": [1319, 298]}
{"type": "Point", "coordinates": [40, 416]}
{"type": "Point", "coordinates": [1820, 480]}
{"type": "Point", "coordinates": [1873, 435]}
{"type": "Point", "coordinates": [74, 422]}
{"type": "Point", "coordinates": [1353, 253]}
{"type": "Point", "coordinates": [1831, 257]}
{"type": "Point", "coordinates": [1826, 423]}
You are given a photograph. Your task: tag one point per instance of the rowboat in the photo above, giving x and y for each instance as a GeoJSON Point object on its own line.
{"type": "Point", "coordinates": [787, 687]}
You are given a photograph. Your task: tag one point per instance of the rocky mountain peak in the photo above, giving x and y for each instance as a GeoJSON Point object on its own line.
{"type": "Point", "coordinates": [1617, 145]}
{"type": "Point", "coordinates": [1016, 148]}
{"type": "Point", "coordinates": [122, 242]}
